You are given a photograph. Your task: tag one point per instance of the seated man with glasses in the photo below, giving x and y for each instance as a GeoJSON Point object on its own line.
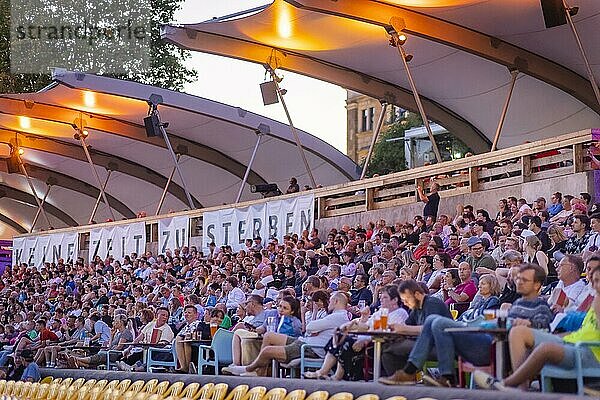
{"type": "Point", "coordinates": [530, 310]}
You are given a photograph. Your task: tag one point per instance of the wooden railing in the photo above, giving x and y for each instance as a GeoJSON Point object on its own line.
{"type": "Point", "coordinates": [561, 155]}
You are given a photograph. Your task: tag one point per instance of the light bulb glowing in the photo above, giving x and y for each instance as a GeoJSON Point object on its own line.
{"type": "Point", "coordinates": [89, 99]}
{"type": "Point", "coordinates": [25, 122]}
{"type": "Point", "coordinates": [85, 133]}
{"type": "Point", "coordinates": [284, 23]}
{"type": "Point", "coordinates": [402, 38]}
{"type": "Point", "coordinates": [21, 152]}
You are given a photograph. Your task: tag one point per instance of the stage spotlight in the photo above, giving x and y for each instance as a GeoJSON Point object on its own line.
{"type": "Point", "coordinates": [408, 58]}
{"type": "Point", "coordinates": [401, 39]}
{"type": "Point", "coordinates": [85, 133]}
{"type": "Point", "coordinates": [21, 151]}
{"type": "Point", "coordinates": [573, 11]}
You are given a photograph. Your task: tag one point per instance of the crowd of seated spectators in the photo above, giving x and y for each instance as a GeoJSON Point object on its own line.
{"type": "Point", "coordinates": [527, 259]}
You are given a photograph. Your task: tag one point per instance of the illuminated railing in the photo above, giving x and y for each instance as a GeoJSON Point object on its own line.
{"type": "Point", "coordinates": [535, 161]}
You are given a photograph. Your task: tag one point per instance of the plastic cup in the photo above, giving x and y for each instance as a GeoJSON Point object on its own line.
{"type": "Point", "coordinates": [383, 321]}
{"type": "Point", "coordinates": [213, 328]}
{"type": "Point", "coordinates": [489, 315]}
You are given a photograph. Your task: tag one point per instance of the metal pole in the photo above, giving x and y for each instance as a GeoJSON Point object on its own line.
{"type": "Point", "coordinates": [97, 204]}
{"type": "Point", "coordinates": [513, 73]}
{"type": "Point", "coordinates": [37, 213]}
{"type": "Point", "coordinates": [374, 138]}
{"type": "Point", "coordinates": [292, 128]}
{"type": "Point", "coordinates": [35, 196]}
{"type": "Point", "coordinates": [89, 158]}
{"type": "Point", "coordinates": [413, 86]}
{"type": "Point", "coordinates": [176, 164]}
{"type": "Point", "coordinates": [166, 189]}
{"type": "Point", "coordinates": [249, 167]}
{"type": "Point", "coordinates": [590, 73]}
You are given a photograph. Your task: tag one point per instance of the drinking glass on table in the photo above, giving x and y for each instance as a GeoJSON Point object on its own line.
{"type": "Point", "coordinates": [213, 329]}
{"type": "Point", "coordinates": [384, 318]}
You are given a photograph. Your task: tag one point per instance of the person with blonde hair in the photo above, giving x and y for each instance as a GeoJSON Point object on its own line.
{"type": "Point", "coordinates": [532, 252]}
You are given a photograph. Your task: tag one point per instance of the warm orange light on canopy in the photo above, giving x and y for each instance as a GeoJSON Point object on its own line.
{"type": "Point", "coordinates": [284, 26]}
{"type": "Point", "coordinates": [433, 3]}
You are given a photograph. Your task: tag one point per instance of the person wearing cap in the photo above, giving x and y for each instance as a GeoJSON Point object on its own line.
{"type": "Point", "coordinates": [480, 261]}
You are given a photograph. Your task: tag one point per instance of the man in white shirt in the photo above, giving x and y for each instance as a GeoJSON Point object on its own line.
{"type": "Point", "coordinates": [235, 295]}
{"type": "Point", "coordinates": [266, 277]}
{"type": "Point", "coordinates": [570, 291]}
{"type": "Point", "coordinates": [318, 333]}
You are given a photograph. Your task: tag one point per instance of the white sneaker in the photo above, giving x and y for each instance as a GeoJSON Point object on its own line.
{"type": "Point", "coordinates": [486, 381]}
{"type": "Point", "coordinates": [237, 370]}
{"type": "Point", "coordinates": [123, 366]}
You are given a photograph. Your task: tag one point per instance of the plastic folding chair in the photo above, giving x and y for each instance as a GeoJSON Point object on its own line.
{"type": "Point", "coordinates": [577, 373]}
{"type": "Point", "coordinates": [205, 391]}
{"type": "Point", "coordinates": [150, 386]}
{"type": "Point", "coordinates": [123, 386]}
{"type": "Point", "coordinates": [221, 349]}
{"type": "Point", "coordinates": [161, 388]}
{"type": "Point", "coordinates": [342, 396]}
{"type": "Point", "coordinates": [275, 394]}
{"type": "Point", "coordinates": [238, 393]}
{"type": "Point", "coordinates": [136, 386]}
{"type": "Point", "coordinates": [368, 397]}
{"type": "Point", "coordinates": [396, 398]}
{"type": "Point", "coordinates": [152, 351]}
{"type": "Point", "coordinates": [318, 395]}
{"type": "Point", "coordinates": [219, 391]}
{"type": "Point", "coordinates": [256, 393]}
{"type": "Point", "coordinates": [175, 389]}
{"type": "Point", "coordinates": [298, 394]}
{"type": "Point", "coordinates": [190, 390]}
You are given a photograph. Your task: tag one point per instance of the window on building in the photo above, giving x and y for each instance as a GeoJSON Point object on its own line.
{"type": "Point", "coordinates": [371, 118]}
{"type": "Point", "coordinates": [364, 126]}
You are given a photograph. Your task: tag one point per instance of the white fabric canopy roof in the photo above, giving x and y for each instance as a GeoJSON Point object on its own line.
{"type": "Point", "coordinates": [215, 140]}
{"type": "Point", "coordinates": [462, 51]}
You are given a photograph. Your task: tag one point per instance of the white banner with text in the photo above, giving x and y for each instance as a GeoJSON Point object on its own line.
{"type": "Point", "coordinates": [273, 219]}
{"type": "Point", "coordinates": [173, 233]}
{"type": "Point", "coordinates": [37, 250]}
{"type": "Point", "coordinates": [117, 241]}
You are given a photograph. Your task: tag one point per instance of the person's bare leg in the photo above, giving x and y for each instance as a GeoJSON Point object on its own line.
{"type": "Point", "coordinates": [183, 366]}
{"type": "Point", "coordinates": [187, 352]}
{"type": "Point", "coordinates": [328, 365]}
{"type": "Point", "coordinates": [520, 343]}
{"type": "Point", "coordinates": [236, 350]}
{"type": "Point", "coordinates": [266, 355]}
{"type": "Point", "coordinates": [274, 339]}
{"type": "Point", "coordinates": [339, 372]}
{"type": "Point", "coordinates": [552, 353]}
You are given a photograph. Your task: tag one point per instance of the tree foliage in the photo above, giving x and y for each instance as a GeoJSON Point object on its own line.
{"type": "Point", "coordinates": [166, 70]}
{"type": "Point", "coordinates": [388, 155]}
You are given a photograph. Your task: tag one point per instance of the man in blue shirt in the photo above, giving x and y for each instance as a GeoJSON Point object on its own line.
{"type": "Point", "coordinates": [32, 370]}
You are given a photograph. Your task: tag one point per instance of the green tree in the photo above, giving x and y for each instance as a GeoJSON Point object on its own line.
{"type": "Point", "coordinates": [388, 154]}
{"type": "Point", "coordinates": [166, 70]}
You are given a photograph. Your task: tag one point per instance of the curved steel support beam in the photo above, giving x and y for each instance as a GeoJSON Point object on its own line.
{"type": "Point", "coordinates": [114, 126]}
{"type": "Point", "coordinates": [108, 161]}
{"type": "Point", "coordinates": [222, 45]}
{"type": "Point", "coordinates": [27, 198]}
{"type": "Point", "coordinates": [13, 224]}
{"type": "Point", "coordinates": [462, 38]}
{"type": "Point", "coordinates": [68, 182]}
